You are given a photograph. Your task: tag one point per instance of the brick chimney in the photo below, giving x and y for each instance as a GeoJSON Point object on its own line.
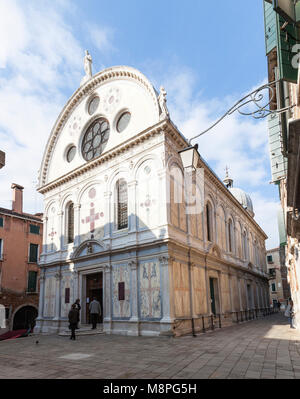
{"type": "Point", "coordinates": [17, 203]}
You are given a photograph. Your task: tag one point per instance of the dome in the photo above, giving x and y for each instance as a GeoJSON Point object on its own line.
{"type": "Point", "coordinates": [243, 198]}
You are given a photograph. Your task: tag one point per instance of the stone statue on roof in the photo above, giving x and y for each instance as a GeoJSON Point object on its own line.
{"type": "Point", "coordinates": [88, 64]}
{"type": "Point", "coordinates": [87, 67]}
{"type": "Point", "coordinates": [162, 100]}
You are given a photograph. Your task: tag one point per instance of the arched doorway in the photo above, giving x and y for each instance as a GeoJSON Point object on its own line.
{"type": "Point", "coordinates": [25, 318]}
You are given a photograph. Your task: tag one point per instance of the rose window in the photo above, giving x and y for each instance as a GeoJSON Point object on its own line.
{"type": "Point", "coordinates": [95, 139]}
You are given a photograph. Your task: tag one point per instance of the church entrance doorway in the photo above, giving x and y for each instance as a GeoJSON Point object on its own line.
{"type": "Point", "coordinates": [94, 289]}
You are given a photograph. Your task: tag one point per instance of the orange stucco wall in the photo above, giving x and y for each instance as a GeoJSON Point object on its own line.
{"type": "Point", "coordinates": [15, 249]}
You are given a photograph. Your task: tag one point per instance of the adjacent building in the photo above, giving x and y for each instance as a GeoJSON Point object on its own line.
{"type": "Point", "coordinates": [118, 226]}
{"type": "Point", "coordinates": [282, 50]}
{"type": "Point", "coordinates": [20, 245]}
{"type": "Point", "coordinates": [279, 287]}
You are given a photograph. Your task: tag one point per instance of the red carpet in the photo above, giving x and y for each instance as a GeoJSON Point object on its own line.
{"type": "Point", "coordinates": [13, 334]}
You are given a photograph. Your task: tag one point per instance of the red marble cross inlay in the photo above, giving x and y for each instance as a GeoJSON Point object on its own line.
{"type": "Point", "coordinates": [52, 234]}
{"type": "Point", "coordinates": [92, 218]}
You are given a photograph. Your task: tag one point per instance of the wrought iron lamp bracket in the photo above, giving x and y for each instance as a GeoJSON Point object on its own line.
{"type": "Point", "coordinates": [256, 98]}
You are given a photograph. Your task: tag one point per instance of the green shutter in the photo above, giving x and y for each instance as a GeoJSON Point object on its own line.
{"type": "Point", "coordinates": [275, 37]}
{"type": "Point", "coordinates": [34, 229]}
{"type": "Point", "coordinates": [270, 27]}
{"type": "Point", "coordinates": [281, 226]}
{"type": "Point", "coordinates": [278, 161]}
{"type": "Point", "coordinates": [1, 222]}
{"type": "Point", "coordinates": [32, 277]}
{"type": "Point", "coordinates": [33, 251]}
{"type": "Point", "coordinates": [285, 55]}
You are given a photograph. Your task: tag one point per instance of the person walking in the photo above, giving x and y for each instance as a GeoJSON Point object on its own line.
{"type": "Point", "coordinates": [73, 320]}
{"type": "Point", "coordinates": [78, 307]}
{"type": "Point", "coordinates": [95, 311]}
{"type": "Point", "coordinates": [289, 312]}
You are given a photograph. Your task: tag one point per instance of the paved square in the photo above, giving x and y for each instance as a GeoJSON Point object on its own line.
{"type": "Point", "coordinates": [75, 356]}
{"type": "Point", "coordinates": [265, 348]}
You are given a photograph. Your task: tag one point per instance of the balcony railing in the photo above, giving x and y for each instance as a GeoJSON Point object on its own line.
{"type": "Point", "coordinates": [205, 323]}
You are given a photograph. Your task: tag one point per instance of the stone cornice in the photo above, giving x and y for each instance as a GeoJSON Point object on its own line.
{"type": "Point", "coordinates": [139, 138]}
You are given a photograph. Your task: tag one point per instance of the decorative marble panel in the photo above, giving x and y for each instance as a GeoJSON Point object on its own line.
{"type": "Point", "coordinates": [181, 289]}
{"type": "Point", "coordinates": [65, 307]}
{"type": "Point", "coordinates": [49, 303]}
{"type": "Point", "coordinates": [147, 195]}
{"type": "Point", "coordinates": [149, 290]}
{"type": "Point", "coordinates": [199, 288]}
{"type": "Point", "coordinates": [121, 274]}
{"type": "Point", "coordinates": [52, 233]}
{"type": "Point", "coordinates": [92, 213]}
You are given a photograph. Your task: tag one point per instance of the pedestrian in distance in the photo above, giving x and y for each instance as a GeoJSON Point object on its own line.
{"type": "Point", "coordinates": [289, 312]}
{"type": "Point", "coordinates": [95, 311]}
{"type": "Point", "coordinates": [78, 307]}
{"type": "Point", "coordinates": [73, 320]}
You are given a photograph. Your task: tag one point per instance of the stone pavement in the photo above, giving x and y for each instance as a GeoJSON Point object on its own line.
{"type": "Point", "coordinates": [265, 348]}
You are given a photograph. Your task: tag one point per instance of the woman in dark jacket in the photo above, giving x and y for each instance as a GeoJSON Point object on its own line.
{"type": "Point", "coordinates": [73, 320]}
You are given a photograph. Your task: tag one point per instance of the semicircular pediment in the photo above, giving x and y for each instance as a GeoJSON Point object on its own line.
{"type": "Point", "coordinates": [120, 90]}
{"type": "Point", "coordinates": [89, 247]}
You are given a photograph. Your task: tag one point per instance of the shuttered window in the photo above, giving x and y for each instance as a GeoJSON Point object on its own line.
{"type": "Point", "coordinates": [122, 213]}
{"type": "Point", "coordinates": [33, 253]}
{"type": "Point", "coordinates": [32, 278]}
{"type": "Point", "coordinates": [34, 229]}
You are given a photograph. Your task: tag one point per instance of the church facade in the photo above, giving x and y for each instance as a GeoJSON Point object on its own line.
{"type": "Point", "coordinates": [116, 225]}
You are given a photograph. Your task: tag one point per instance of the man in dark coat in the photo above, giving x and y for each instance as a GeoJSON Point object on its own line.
{"type": "Point", "coordinates": [95, 311]}
{"type": "Point", "coordinates": [73, 320]}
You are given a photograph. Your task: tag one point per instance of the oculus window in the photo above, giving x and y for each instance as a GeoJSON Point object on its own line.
{"type": "Point", "coordinates": [95, 139]}
{"type": "Point", "coordinates": [71, 153]}
{"type": "Point", "coordinates": [93, 105]}
{"type": "Point", "coordinates": [123, 121]}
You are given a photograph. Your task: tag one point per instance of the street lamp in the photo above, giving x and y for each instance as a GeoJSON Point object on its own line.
{"type": "Point", "coordinates": [190, 157]}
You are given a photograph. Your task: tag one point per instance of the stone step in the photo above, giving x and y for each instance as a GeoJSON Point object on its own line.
{"type": "Point", "coordinates": [83, 330]}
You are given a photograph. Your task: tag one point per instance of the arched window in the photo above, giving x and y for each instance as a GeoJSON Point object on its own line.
{"type": "Point", "coordinates": [230, 235]}
{"type": "Point", "coordinates": [70, 222]}
{"type": "Point", "coordinates": [209, 227]}
{"type": "Point", "coordinates": [122, 208]}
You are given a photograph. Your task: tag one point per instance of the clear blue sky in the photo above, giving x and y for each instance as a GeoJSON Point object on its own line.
{"type": "Point", "coordinates": [207, 54]}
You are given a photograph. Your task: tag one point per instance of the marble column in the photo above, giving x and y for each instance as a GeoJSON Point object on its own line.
{"type": "Point", "coordinates": [107, 321]}
{"type": "Point", "coordinates": [76, 225]}
{"type": "Point", "coordinates": [163, 200]}
{"type": "Point", "coordinates": [240, 295]}
{"type": "Point", "coordinates": [166, 291]}
{"type": "Point", "coordinates": [58, 277]}
{"type": "Point", "coordinates": [108, 219]}
{"type": "Point", "coordinates": [61, 230]}
{"type": "Point", "coordinates": [75, 285]}
{"type": "Point", "coordinates": [132, 212]}
{"type": "Point", "coordinates": [134, 291]}
{"type": "Point", "coordinates": [208, 298]}
{"type": "Point", "coordinates": [41, 296]}
{"type": "Point", "coordinates": [45, 230]}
